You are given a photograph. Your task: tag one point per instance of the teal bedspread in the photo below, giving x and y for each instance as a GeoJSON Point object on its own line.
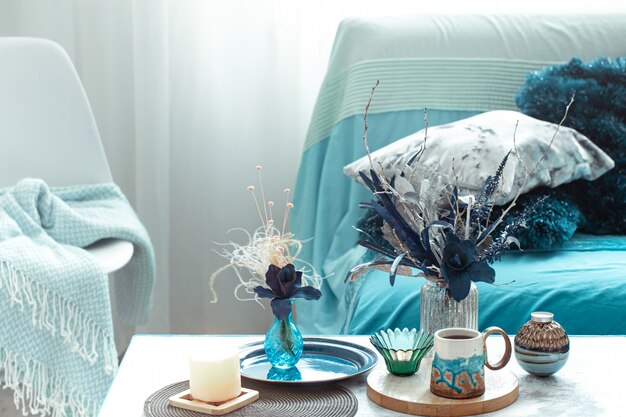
{"type": "Point", "coordinates": [436, 62]}
{"type": "Point", "coordinates": [584, 285]}
{"type": "Point", "coordinates": [440, 62]}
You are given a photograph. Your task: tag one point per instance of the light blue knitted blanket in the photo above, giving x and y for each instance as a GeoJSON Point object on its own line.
{"type": "Point", "coordinates": [57, 348]}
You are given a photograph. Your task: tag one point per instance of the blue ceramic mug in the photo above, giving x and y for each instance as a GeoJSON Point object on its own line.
{"type": "Point", "coordinates": [458, 369]}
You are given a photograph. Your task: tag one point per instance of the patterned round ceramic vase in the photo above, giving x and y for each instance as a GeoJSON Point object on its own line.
{"type": "Point", "coordinates": [541, 345]}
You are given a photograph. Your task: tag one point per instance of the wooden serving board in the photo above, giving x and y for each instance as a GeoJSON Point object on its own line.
{"type": "Point", "coordinates": [411, 395]}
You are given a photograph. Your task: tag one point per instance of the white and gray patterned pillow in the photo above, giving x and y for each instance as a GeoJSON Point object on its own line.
{"type": "Point", "coordinates": [478, 144]}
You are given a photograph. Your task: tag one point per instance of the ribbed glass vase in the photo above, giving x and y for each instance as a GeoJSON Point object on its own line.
{"type": "Point", "coordinates": [438, 310]}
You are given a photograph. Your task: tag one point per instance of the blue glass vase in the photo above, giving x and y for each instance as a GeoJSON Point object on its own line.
{"type": "Point", "coordinates": [279, 374]}
{"type": "Point", "coordinates": [283, 343]}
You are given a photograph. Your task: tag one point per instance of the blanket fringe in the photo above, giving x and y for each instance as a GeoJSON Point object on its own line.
{"type": "Point", "coordinates": [58, 315]}
{"type": "Point", "coordinates": [38, 390]}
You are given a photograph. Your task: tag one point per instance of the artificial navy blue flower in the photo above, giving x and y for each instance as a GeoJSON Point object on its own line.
{"type": "Point", "coordinates": [460, 266]}
{"type": "Point", "coordinates": [284, 285]}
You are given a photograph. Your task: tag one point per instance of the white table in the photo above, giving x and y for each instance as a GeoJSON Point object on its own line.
{"type": "Point", "coordinates": [591, 383]}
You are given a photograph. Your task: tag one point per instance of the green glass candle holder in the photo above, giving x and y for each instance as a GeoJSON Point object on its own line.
{"type": "Point", "coordinates": [402, 350]}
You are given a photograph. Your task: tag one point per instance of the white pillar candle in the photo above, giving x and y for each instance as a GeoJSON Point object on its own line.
{"type": "Point", "coordinates": [214, 374]}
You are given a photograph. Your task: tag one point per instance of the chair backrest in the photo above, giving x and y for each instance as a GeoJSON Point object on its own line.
{"type": "Point", "coordinates": [47, 128]}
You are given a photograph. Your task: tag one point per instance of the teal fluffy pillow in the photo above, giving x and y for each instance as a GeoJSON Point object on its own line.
{"type": "Point", "coordinates": [599, 112]}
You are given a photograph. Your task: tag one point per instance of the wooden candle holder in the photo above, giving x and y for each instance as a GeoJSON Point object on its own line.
{"type": "Point", "coordinates": [184, 400]}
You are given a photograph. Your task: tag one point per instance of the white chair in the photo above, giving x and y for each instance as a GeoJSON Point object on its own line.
{"type": "Point", "coordinates": [47, 128]}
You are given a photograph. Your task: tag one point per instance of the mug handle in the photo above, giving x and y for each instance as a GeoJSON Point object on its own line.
{"type": "Point", "coordinates": [507, 344]}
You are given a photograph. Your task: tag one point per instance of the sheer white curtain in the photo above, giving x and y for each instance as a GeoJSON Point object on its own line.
{"type": "Point", "coordinates": [189, 96]}
{"type": "Point", "coordinates": [122, 62]}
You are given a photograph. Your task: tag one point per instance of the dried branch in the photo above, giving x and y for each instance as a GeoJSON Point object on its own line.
{"type": "Point", "coordinates": [515, 148]}
{"type": "Point", "coordinates": [418, 156]}
{"type": "Point", "coordinates": [367, 108]}
{"type": "Point", "coordinates": [512, 204]}
{"type": "Point", "coordinates": [456, 184]}
{"type": "Point", "coordinates": [423, 150]}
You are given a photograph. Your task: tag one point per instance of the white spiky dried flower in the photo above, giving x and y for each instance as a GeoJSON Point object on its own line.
{"type": "Point", "coordinates": [266, 245]}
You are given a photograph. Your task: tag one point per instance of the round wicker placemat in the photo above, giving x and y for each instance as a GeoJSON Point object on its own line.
{"type": "Point", "coordinates": [274, 400]}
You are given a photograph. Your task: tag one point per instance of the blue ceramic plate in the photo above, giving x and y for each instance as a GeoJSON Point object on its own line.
{"type": "Point", "coordinates": [322, 360]}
